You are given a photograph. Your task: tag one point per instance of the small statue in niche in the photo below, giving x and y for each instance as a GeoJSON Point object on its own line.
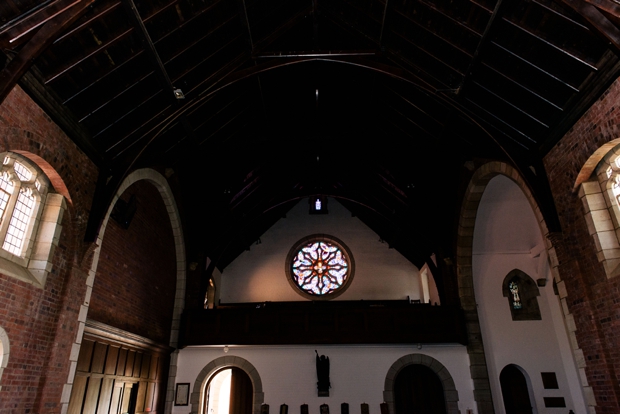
{"type": "Point", "coordinates": [322, 373]}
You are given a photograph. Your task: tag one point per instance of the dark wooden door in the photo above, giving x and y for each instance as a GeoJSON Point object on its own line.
{"type": "Point", "coordinates": [514, 391]}
{"type": "Point", "coordinates": [241, 392]}
{"type": "Point", "coordinates": [418, 390]}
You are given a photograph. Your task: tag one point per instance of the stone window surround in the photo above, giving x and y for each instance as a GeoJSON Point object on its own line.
{"type": "Point", "coordinates": [42, 237]}
{"type": "Point", "coordinates": [4, 360]}
{"type": "Point", "coordinates": [602, 212]}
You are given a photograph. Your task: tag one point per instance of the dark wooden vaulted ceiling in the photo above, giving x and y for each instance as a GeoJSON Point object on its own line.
{"type": "Point", "coordinates": [387, 105]}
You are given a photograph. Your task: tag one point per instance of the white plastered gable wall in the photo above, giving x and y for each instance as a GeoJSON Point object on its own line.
{"type": "Point", "coordinates": [258, 275]}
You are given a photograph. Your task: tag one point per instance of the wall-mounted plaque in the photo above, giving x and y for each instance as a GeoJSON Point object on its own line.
{"type": "Point", "coordinates": [181, 397]}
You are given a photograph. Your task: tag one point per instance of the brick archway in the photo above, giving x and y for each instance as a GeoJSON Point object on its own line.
{"type": "Point", "coordinates": [226, 362]}
{"type": "Point", "coordinates": [451, 395]}
{"type": "Point", "coordinates": [159, 181]}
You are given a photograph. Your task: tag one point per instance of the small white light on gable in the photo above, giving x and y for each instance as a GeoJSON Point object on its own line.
{"type": "Point", "coordinates": [317, 204]}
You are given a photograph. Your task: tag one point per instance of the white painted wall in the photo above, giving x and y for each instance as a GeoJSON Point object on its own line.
{"type": "Point", "coordinates": [507, 237]}
{"type": "Point", "coordinates": [258, 275]}
{"type": "Point", "coordinates": [357, 373]}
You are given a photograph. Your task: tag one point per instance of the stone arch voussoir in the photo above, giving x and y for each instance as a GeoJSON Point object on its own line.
{"type": "Point", "coordinates": [227, 362]}
{"type": "Point", "coordinates": [451, 394]}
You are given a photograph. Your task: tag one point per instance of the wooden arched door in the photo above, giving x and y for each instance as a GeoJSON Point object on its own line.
{"type": "Point", "coordinates": [515, 391]}
{"type": "Point", "coordinates": [418, 390]}
{"type": "Point", "coordinates": [230, 391]}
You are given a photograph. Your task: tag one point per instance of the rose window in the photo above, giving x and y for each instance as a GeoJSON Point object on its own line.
{"type": "Point", "coordinates": [320, 266]}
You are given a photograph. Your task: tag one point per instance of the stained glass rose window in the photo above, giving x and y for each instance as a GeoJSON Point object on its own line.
{"type": "Point", "coordinates": [320, 267]}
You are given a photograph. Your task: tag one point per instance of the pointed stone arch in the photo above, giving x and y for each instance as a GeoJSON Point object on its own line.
{"type": "Point", "coordinates": [471, 201]}
{"type": "Point", "coordinates": [217, 365]}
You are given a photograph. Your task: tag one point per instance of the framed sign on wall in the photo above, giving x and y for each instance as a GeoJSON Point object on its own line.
{"type": "Point", "coordinates": [182, 394]}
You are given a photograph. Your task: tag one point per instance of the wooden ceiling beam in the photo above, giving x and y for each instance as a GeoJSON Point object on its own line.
{"type": "Point", "coordinates": [607, 6]}
{"type": "Point", "coordinates": [146, 41]}
{"type": "Point", "coordinates": [263, 43]}
{"type": "Point", "coordinates": [13, 34]}
{"type": "Point", "coordinates": [482, 44]}
{"type": "Point", "coordinates": [83, 25]}
{"type": "Point", "coordinates": [597, 19]}
{"type": "Point", "coordinates": [72, 65]}
{"type": "Point", "coordinates": [118, 67]}
{"type": "Point", "coordinates": [385, 10]}
{"type": "Point", "coordinates": [43, 38]}
{"type": "Point", "coordinates": [551, 45]}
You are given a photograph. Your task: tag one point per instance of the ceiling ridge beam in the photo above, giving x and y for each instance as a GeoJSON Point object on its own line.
{"type": "Point", "coordinates": [482, 44]}
{"type": "Point", "coordinates": [145, 38]}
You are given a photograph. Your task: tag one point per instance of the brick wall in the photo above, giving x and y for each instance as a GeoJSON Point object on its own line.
{"type": "Point", "coordinates": [41, 323]}
{"type": "Point", "coordinates": [593, 299]}
{"type": "Point", "coordinates": [136, 276]}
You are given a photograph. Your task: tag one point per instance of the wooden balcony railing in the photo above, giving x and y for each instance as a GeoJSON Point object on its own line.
{"type": "Point", "coordinates": [343, 322]}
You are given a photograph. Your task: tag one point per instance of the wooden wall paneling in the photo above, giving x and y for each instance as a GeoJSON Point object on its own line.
{"type": "Point", "coordinates": [112, 360]}
{"type": "Point", "coordinates": [131, 355]}
{"type": "Point", "coordinates": [146, 365]}
{"type": "Point", "coordinates": [127, 389]}
{"type": "Point", "coordinates": [150, 397]}
{"type": "Point", "coordinates": [137, 362]}
{"type": "Point", "coordinates": [117, 398]}
{"type": "Point", "coordinates": [158, 405]}
{"type": "Point", "coordinates": [105, 397]}
{"type": "Point", "coordinates": [99, 354]}
{"type": "Point", "coordinates": [122, 360]}
{"type": "Point", "coordinates": [92, 395]}
{"type": "Point", "coordinates": [140, 402]}
{"type": "Point", "coordinates": [86, 353]}
{"type": "Point", "coordinates": [154, 366]}
{"type": "Point", "coordinates": [77, 395]}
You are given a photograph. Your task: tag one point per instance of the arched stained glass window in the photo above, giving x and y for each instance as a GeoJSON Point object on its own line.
{"type": "Point", "coordinates": [319, 267]}
{"type": "Point", "coordinates": [21, 192]}
{"type": "Point", "coordinates": [521, 291]}
{"type": "Point", "coordinates": [514, 289]}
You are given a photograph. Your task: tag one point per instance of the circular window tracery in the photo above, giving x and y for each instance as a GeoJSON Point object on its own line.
{"type": "Point", "coordinates": [319, 267]}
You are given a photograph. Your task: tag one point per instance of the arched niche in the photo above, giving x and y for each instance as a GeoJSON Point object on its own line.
{"type": "Point", "coordinates": [451, 395]}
